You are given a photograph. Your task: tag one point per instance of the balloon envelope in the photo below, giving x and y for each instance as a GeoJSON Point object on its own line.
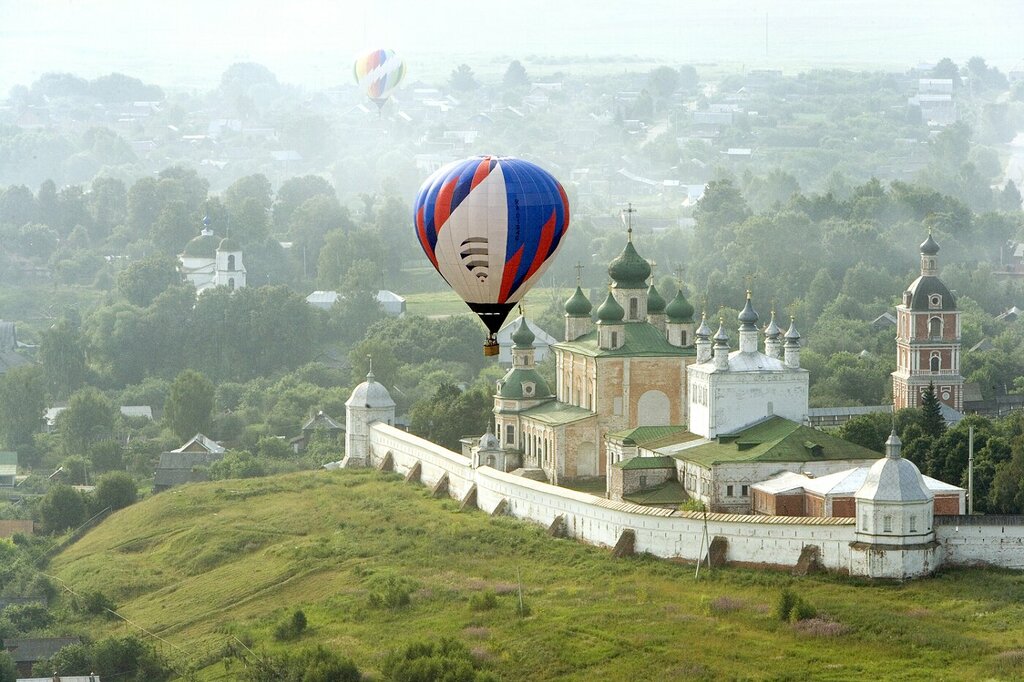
{"type": "Point", "coordinates": [378, 72]}
{"type": "Point", "coordinates": [491, 225]}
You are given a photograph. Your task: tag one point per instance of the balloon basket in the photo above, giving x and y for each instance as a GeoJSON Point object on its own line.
{"type": "Point", "coordinates": [490, 347]}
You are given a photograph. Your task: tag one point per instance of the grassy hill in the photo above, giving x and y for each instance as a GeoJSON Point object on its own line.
{"type": "Point", "coordinates": [204, 562]}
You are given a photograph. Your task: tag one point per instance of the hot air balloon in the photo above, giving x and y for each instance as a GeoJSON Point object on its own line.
{"type": "Point", "coordinates": [491, 225]}
{"type": "Point", "coordinates": [378, 72]}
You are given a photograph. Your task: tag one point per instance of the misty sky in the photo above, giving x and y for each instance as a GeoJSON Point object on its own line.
{"type": "Point", "coordinates": [190, 42]}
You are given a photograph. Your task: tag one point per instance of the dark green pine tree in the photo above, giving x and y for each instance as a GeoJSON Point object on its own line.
{"type": "Point", "coordinates": [932, 423]}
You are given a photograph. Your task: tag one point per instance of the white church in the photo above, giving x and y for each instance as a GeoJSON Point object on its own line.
{"type": "Point", "coordinates": [208, 261]}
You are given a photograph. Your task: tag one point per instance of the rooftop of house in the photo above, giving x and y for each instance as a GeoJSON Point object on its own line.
{"type": "Point", "coordinates": [641, 340]}
{"type": "Point", "coordinates": [774, 439]}
{"type": "Point", "coordinates": [32, 649]}
{"type": "Point", "coordinates": [200, 443]}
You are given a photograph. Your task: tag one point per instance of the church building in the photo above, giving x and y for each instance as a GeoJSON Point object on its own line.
{"type": "Point", "coordinates": [625, 371]}
{"type": "Point", "coordinates": [208, 261]}
{"type": "Point", "coordinates": [928, 339]}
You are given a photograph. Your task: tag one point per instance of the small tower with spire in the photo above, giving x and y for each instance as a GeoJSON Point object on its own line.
{"type": "Point", "coordinates": [369, 403]}
{"type": "Point", "coordinates": [792, 345]}
{"type": "Point", "coordinates": [773, 338]}
{"type": "Point", "coordinates": [721, 349]}
{"type": "Point", "coordinates": [703, 340]}
{"type": "Point", "coordinates": [577, 311]}
{"type": "Point", "coordinates": [748, 318]}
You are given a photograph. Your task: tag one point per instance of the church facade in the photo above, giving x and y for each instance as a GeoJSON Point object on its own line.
{"type": "Point", "coordinates": [928, 339]}
{"type": "Point", "coordinates": [625, 371]}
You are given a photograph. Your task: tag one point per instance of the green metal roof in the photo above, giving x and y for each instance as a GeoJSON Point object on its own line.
{"type": "Point", "coordinates": [229, 244]}
{"type": "Point", "coordinates": [512, 384]}
{"type": "Point", "coordinates": [776, 440]}
{"type": "Point", "coordinates": [9, 458]}
{"type": "Point", "coordinates": [555, 413]}
{"type": "Point", "coordinates": [634, 463]}
{"type": "Point", "coordinates": [642, 340]}
{"type": "Point", "coordinates": [669, 492]}
{"type": "Point", "coordinates": [643, 436]}
{"type": "Point", "coordinates": [523, 337]}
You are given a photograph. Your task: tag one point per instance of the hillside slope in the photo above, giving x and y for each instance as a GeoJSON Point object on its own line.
{"type": "Point", "coordinates": [200, 563]}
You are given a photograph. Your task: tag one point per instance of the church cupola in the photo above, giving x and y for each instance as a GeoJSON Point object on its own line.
{"type": "Point", "coordinates": [929, 257]}
{"type": "Point", "coordinates": [655, 308]}
{"type": "Point", "coordinates": [629, 272]}
{"type": "Point", "coordinates": [523, 353]}
{"type": "Point", "coordinates": [577, 311]}
{"type": "Point", "coordinates": [773, 339]}
{"type": "Point", "coordinates": [230, 270]}
{"type": "Point", "coordinates": [610, 329]}
{"type": "Point", "coordinates": [748, 318]}
{"type": "Point", "coordinates": [721, 347]}
{"type": "Point", "coordinates": [679, 315]}
{"type": "Point", "coordinates": [792, 345]}
{"type": "Point", "coordinates": [703, 340]}
{"type": "Point", "coordinates": [893, 445]}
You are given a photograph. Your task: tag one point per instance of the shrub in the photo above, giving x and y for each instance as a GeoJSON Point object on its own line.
{"type": "Point", "coordinates": [792, 608]}
{"type": "Point", "coordinates": [447, 659]}
{"type": "Point", "coordinates": [820, 627]}
{"type": "Point", "coordinates": [291, 628]}
{"type": "Point", "coordinates": [98, 604]}
{"type": "Point", "coordinates": [483, 601]}
{"type": "Point", "coordinates": [393, 594]}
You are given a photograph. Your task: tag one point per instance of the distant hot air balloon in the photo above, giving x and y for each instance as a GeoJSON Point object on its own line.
{"type": "Point", "coordinates": [490, 225]}
{"type": "Point", "coordinates": [378, 72]}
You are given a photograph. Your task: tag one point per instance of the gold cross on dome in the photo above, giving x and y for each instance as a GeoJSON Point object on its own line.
{"type": "Point", "coordinates": [579, 272]}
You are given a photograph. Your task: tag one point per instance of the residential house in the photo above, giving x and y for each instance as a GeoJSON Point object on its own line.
{"type": "Point", "coordinates": [188, 463]}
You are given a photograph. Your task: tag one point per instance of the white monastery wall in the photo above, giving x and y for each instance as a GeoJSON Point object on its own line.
{"type": "Point", "coordinates": [597, 521]}
{"type": "Point", "coordinates": [985, 540]}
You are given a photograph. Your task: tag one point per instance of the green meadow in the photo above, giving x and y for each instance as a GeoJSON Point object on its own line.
{"type": "Point", "coordinates": [206, 565]}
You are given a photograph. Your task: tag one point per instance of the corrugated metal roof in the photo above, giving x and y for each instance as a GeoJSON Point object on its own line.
{"type": "Point", "coordinates": [775, 440]}
{"type": "Point", "coordinates": [660, 462]}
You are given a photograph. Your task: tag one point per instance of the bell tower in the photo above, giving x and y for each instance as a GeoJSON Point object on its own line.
{"type": "Point", "coordinates": [928, 338]}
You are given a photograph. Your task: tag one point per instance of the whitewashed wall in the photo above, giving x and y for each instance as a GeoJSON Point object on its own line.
{"type": "Point", "coordinates": [598, 521]}
{"type": "Point", "coordinates": [760, 540]}
{"type": "Point", "coordinates": [990, 540]}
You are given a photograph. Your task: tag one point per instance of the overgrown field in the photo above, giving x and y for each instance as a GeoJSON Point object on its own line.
{"type": "Point", "coordinates": [205, 563]}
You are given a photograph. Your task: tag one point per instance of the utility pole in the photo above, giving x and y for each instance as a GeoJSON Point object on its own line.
{"type": "Point", "coordinates": [970, 469]}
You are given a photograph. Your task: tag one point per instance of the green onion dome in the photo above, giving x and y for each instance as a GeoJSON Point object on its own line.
{"type": "Point", "coordinates": [578, 304]}
{"type": "Point", "coordinates": [523, 337]}
{"type": "Point", "coordinates": [629, 270]}
{"type": "Point", "coordinates": [655, 303]}
{"type": "Point", "coordinates": [679, 310]}
{"type": "Point", "coordinates": [202, 246]}
{"type": "Point", "coordinates": [610, 311]}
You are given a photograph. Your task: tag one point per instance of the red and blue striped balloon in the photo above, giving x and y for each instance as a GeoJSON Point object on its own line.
{"type": "Point", "coordinates": [491, 225]}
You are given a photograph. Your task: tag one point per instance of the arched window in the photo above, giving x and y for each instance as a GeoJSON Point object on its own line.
{"type": "Point", "coordinates": [615, 340]}
{"type": "Point", "coordinates": [935, 328]}
{"type": "Point", "coordinates": [634, 309]}
{"type": "Point", "coordinates": [231, 263]}
{"type": "Point", "coordinates": [887, 524]}
{"type": "Point", "coordinates": [933, 363]}
{"type": "Point", "coordinates": [231, 283]}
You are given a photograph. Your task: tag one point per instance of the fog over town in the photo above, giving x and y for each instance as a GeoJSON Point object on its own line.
{"type": "Point", "coordinates": [547, 341]}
